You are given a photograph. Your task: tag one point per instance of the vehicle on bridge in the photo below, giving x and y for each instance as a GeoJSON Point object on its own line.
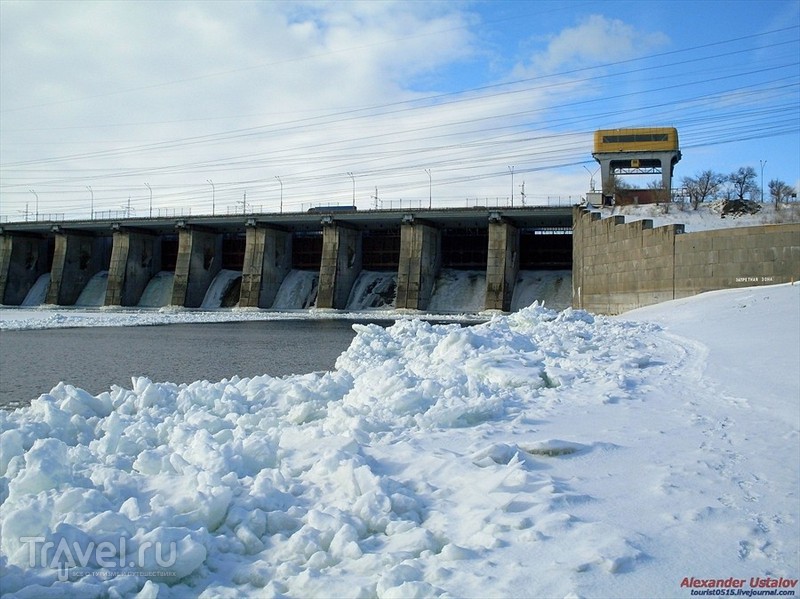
{"type": "Point", "coordinates": [330, 209]}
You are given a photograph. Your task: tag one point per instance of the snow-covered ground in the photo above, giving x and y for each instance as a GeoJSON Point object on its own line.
{"type": "Point", "coordinates": [706, 217]}
{"type": "Point", "coordinates": [540, 454]}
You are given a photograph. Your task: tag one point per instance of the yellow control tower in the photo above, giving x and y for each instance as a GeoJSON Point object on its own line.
{"type": "Point", "coordinates": [640, 151]}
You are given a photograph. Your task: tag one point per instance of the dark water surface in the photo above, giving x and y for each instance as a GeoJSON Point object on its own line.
{"type": "Point", "coordinates": [33, 362]}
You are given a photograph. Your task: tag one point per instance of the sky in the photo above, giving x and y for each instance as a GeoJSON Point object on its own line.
{"type": "Point", "coordinates": [167, 108]}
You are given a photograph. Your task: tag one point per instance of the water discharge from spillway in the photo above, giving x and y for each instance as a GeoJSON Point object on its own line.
{"type": "Point", "coordinates": [298, 290]}
{"type": "Point", "coordinates": [94, 294]}
{"type": "Point", "coordinates": [454, 290]}
{"type": "Point", "coordinates": [38, 293]}
{"type": "Point", "coordinates": [220, 292]}
{"type": "Point", "coordinates": [158, 292]}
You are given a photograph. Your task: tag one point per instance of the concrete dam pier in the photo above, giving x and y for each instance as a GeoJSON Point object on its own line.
{"type": "Point", "coordinates": [335, 258]}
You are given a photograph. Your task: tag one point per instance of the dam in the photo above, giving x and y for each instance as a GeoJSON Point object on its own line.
{"type": "Point", "coordinates": [439, 260]}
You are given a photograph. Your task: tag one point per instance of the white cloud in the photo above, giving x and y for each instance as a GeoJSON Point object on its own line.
{"type": "Point", "coordinates": [596, 40]}
{"type": "Point", "coordinates": [81, 78]}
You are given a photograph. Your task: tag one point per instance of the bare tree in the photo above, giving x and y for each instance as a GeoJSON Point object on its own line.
{"type": "Point", "coordinates": [704, 186]}
{"type": "Point", "coordinates": [743, 182]}
{"type": "Point", "coordinates": [660, 195]}
{"type": "Point", "coordinates": [779, 191]}
{"type": "Point", "coordinates": [613, 185]}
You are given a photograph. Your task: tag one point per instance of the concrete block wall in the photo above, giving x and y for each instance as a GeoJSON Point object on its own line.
{"type": "Point", "coordinates": [620, 266]}
{"type": "Point", "coordinates": [740, 257]}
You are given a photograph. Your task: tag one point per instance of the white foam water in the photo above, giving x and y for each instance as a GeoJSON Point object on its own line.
{"type": "Point", "coordinates": [94, 294]}
{"type": "Point", "coordinates": [551, 287]}
{"type": "Point", "coordinates": [219, 287]}
{"type": "Point", "coordinates": [158, 292]}
{"type": "Point", "coordinates": [298, 290]}
{"type": "Point", "coordinates": [38, 293]}
{"type": "Point", "coordinates": [459, 291]}
{"type": "Point", "coordinates": [373, 290]}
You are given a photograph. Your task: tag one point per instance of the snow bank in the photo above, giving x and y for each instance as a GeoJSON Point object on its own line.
{"type": "Point", "coordinates": [537, 454]}
{"type": "Point", "coordinates": [706, 217]}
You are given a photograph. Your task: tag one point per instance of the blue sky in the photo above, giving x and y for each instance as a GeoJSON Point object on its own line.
{"type": "Point", "coordinates": [99, 100]}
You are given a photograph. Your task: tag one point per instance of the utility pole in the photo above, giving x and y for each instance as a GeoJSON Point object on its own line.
{"type": "Point", "coordinates": [591, 177]}
{"type": "Point", "coordinates": [511, 168]}
{"type": "Point", "coordinates": [354, 187]}
{"type": "Point", "coordinates": [147, 185]}
{"type": "Point", "coordinates": [213, 193]}
{"type": "Point", "coordinates": [763, 162]}
{"type": "Point", "coordinates": [281, 183]}
{"type": "Point", "coordinates": [376, 197]}
{"type": "Point", "coordinates": [89, 187]}
{"type": "Point", "coordinates": [37, 204]}
{"type": "Point", "coordinates": [430, 188]}
{"type": "Point", "coordinates": [522, 193]}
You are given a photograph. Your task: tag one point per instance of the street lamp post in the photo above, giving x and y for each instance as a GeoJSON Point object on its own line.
{"type": "Point", "coordinates": [37, 204]}
{"type": "Point", "coordinates": [147, 185]}
{"type": "Point", "coordinates": [430, 188]}
{"type": "Point", "coordinates": [763, 162]}
{"type": "Point", "coordinates": [511, 168]}
{"type": "Point", "coordinates": [213, 193]}
{"type": "Point", "coordinates": [354, 186]}
{"type": "Point", "coordinates": [89, 187]}
{"type": "Point", "coordinates": [591, 177]}
{"type": "Point", "coordinates": [281, 184]}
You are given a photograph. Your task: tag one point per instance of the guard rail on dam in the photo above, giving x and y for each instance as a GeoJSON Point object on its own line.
{"type": "Point", "coordinates": [399, 258]}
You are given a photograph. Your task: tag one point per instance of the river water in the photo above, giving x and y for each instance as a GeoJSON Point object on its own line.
{"type": "Point", "coordinates": [94, 358]}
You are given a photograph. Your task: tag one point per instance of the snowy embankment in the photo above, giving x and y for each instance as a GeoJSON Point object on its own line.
{"type": "Point", "coordinates": [538, 454]}
{"type": "Point", "coordinates": [706, 217]}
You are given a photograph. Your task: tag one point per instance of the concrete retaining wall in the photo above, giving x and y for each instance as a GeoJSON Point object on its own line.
{"type": "Point", "coordinates": [741, 257]}
{"type": "Point", "coordinates": [620, 266]}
